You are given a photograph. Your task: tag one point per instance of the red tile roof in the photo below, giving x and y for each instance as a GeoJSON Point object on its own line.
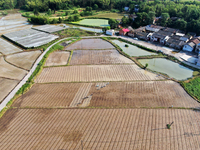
{"type": "Point", "coordinates": [125, 30]}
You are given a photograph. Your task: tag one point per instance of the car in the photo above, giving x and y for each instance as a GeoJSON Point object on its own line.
{"type": "Point", "coordinates": [135, 38]}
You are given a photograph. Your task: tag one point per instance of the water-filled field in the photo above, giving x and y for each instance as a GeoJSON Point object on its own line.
{"type": "Point", "coordinates": [132, 50]}
{"type": "Point", "coordinates": [172, 69]}
{"type": "Point", "coordinates": [94, 22]}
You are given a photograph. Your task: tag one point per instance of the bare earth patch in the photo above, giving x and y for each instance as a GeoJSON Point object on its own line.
{"type": "Point", "coordinates": [24, 60]}
{"type": "Point", "coordinates": [95, 73]}
{"type": "Point", "coordinates": [98, 57]}
{"type": "Point", "coordinates": [102, 129]}
{"type": "Point", "coordinates": [9, 71]}
{"type": "Point", "coordinates": [7, 48]}
{"type": "Point", "coordinates": [57, 58]}
{"type": "Point", "coordinates": [6, 86]}
{"type": "Point", "coordinates": [90, 44]}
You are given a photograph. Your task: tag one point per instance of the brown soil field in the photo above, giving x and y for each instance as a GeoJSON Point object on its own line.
{"type": "Point", "coordinates": [98, 57]}
{"type": "Point", "coordinates": [9, 71]}
{"type": "Point", "coordinates": [23, 60]}
{"type": "Point", "coordinates": [102, 129]}
{"type": "Point", "coordinates": [141, 94]}
{"type": "Point", "coordinates": [6, 86]}
{"type": "Point", "coordinates": [57, 58]}
{"type": "Point", "coordinates": [90, 44]}
{"type": "Point", "coordinates": [113, 95]}
{"type": "Point", "coordinates": [48, 95]}
{"type": "Point", "coordinates": [95, 73]}
{"type": "Point", "coordinates": [7, 48]}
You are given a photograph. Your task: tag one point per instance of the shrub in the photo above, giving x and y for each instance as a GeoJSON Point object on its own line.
{"type": "Point", "coordinates": [126, 45]}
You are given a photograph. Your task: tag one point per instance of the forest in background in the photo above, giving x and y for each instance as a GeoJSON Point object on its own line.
{"type": "Point", "coordinates": [186, 12]}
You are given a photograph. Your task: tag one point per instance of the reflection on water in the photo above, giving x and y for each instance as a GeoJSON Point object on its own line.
{"type": "Point", "coordinates": [132, 50]}
{"type": "Point", "coordinates": [172, 69]}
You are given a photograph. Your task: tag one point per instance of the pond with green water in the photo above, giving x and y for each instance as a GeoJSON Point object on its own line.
{"type": "Point", "coordinates": [94, 22]}
{"type": "Point", "coordinates": [132, 50]}
{"type": "Point", "coordinates": [172, 69]}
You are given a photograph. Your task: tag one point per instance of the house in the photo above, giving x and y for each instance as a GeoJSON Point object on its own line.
{"type": "Point", "coordinates": [151, 29]}
{"type": "Point", "coordinates": [133, 16]}
{"type": "Point", "coordinates": [174, 43]}
{"type": "Point", "coordinates": [131, 33]}
{"type": "Point", "coordinates": [189, 47]}
{"type": "Point", "coordinates": [172, 30]}
{"type": "Point", "coordinates": [192, 34]}
{"type": "Point", "coordinates": [161, 36]}
{"type": "Point", "coordinates": [185, 38]}
{"type": "Point", "coordinates": [130, 28]}
{"type": "Point", "coordinates": [197, 49]}
{"type": "Point", "coordinates": [126, 8]}
{"type": "Point", "coordinates": [123, 32]}
{"type": "Point", "coordinates": [136, 9]}
{"type": "Point", "coordinates": [110, 32]}
{"type": "Point", "coordinates": [198, 62]}
{"type": "Point", "coordinates": [141, 35]}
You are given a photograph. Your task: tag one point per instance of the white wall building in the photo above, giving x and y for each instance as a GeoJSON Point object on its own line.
{"type": "Point", "coordinates": [189, 47]}
{"type": "Point", "coordinates": [110, 32]}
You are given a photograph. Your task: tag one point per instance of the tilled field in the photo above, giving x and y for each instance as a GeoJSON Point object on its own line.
{"type": "Point", "coordinates": [9, 71]}
{"type": "Point", "coordinates": [24, 60]}
{"type": "Point", "coordinates": [105, 129]}
{"type": "Point", "coordinates": [57, 58]}
{"type": "Point", "coordinates": [6, 85]}
{"type": "Point", "coordinates": [112, 95]}
{"type": "Point", "coordinates": [90, 44]}
{"type": "Point", "coordinates": [95, 73]}
{"type": "Point", "coordinates": [98, 57]}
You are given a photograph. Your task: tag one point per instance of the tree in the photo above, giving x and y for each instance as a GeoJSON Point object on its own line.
{"type": "Point", "coordinates": [49, 12]}
{"type": "Point", "coordinates": [36, 12]}
{"type": "Point", "coordinates": [95, 6]}
{"type": "Point", "coordinates": [77, 17]}
{"type": "Point", "coordinates": [75, 12]}
{"type": "Point", "coordinates": [164, 17]}
{"type": "Point", "coordinates": [181, 24]}
{"type": "Point", "coordinates": [66, 13]}
{"type": "Point", "coordinates": [113, 23]}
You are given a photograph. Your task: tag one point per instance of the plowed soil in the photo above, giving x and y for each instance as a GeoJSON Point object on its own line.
{"type": "Point", "coordinates": [112, 95]}
{"type": "Point", "coordinates": [98, 57]}
{"type": "Point", "coordinates": [57, 58]}
{"type": "Point", "coordinates": [102, 129]}
{"type": "Point", "coordinates": [90, 44]}
{"type": "Point", "coordinates": [95, 73]}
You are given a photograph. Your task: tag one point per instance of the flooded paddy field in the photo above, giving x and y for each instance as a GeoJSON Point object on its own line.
{"type": "Point", "coordinates": [132, 50]}
{"type": "Point", "coordinates": [9, 71]}
{"type": "Point", "coordinates": [98, 57]}
{"type": "Point", "coordinates": [8, 48]}
{"type": "Point", "coordinates": [57, 58]}
{"type": "Point", "coordinates": [86, 44]}
{"type": "Point", "coordinates": [172, 69]}
{"type": "Point", "coordinates": [6, 86]}
{"type": "Point", "coordinates": [94, 22]}
{"type": "Point", "coordinates": [30, 38]}
{"type": "Point", "coordinates": [24, 59]}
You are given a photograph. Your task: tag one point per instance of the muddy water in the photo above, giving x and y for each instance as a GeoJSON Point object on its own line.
{"type": "Point", "coordinates": [172, 69]}
{"type": "Point", "coordinates": [132, 50]}
{"type": "Point", "coordinates": [94, 22]}
{"type": "Point", "coordinates": [13, 22]}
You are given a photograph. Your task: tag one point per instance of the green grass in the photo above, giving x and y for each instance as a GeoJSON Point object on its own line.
{"type": "Point", "coordinates": [193, 87]}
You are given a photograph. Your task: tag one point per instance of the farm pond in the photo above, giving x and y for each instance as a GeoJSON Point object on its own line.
{"type": "Point", "coordinates": [94, 22]}
{"type": "Point", "coordinates": [172, 69]}
{"type": "Point", "coordinates": [132, 50]}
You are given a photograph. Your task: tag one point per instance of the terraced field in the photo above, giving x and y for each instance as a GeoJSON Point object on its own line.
{"type": "Point", "coordinates": [104, 129]}
{"type": "Point", "coordinates": [104, 94]}
{"type": "Point", "coordinates": [6, 85]}
{"type": "Point", "coordinates": [57, 58]}
{"type": "Point", "coordinates": [86, 44]}
{"type": "Point", "coordinates": [9, 71]}
{"type": "Point", "coordinates": [98, 57]}
{"type": "Point", "coordinates": [23, 60]}
{"type": "Point", "coordinates": [95, 73]}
